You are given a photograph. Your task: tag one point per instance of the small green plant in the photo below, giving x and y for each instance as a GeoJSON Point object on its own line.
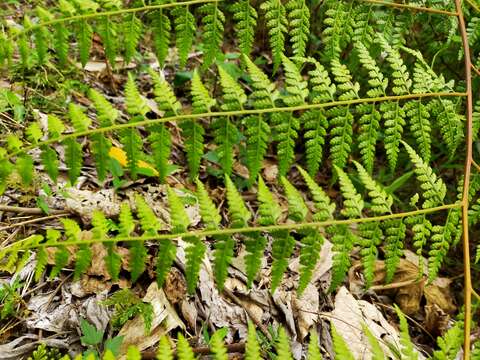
{"type": "Point", "coordinates": [126, 306]}
{"type": "Point", "coordinates": [9, 299]}
{"type": "Point", "coordinates": [92, 338]}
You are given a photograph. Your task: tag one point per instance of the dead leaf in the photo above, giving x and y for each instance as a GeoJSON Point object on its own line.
{"type": "Point", "coordinates": [175, 286]}
{"type": "Point", "coordinates": [165, 319]}
{"type": "Point", "coordinates": [306, 309]}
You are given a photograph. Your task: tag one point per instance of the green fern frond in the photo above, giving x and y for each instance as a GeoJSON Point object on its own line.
{"type": "Point", "coordinates": [61, 43]}
{"type": "Point", "coordinates": [61, 256]}
{"type": "Point", "coordinates": [185, 31]}
{"type": "Point", "coordinates": [450, 343]}
{"type": "Point", "coordinates": [252, 348]}
{"type": "Point", "coordinates": [217, 345]}
{"type": "Point", "coordinates": [148, 220]}
{"type": "Point", "coordinates": [238, 213]}
{"type": "Point", "coordinates": [298, 25]}
{"type": "Point", "coordinates": [283, 346]}
{"type": "Point", "coordinates": [295, 85]}
{"type": "Point", "coordinates": [208, 211]}
{"type": "Point", "coordinates": [135, 103]}
{"type": "Point", "coordinates": [226, 136]}
{"type": "Point", "coordinates": [25, 169]}
{"type": "Point", "coordinates": [369, 128]}
{"type": "Point", "coordinates": [394, 236]}
{"type": "Point", "coordinates": [84, 32]}
{"type": "Point", "coordinates": [420, 126]}
{"type": "Point", "coordinates": [277, 25]}
{"type": "Point", "coordinates": [315, 124]}
{"type": "Point", "coordinates": [340, 346]}
{"type": "Point", "coordinates": [184, 351]}
{"type": "Point", "coordinates": [269, 211]}
{"type": "Point", "coordinates": [126, 224]}
{"type": "Point", "coordinates": [213, 21]}
{"type": "Point", "coordinates": [370, 238]}
{"type": "Point", "coordinates": [313, 348]}
{"type": "Point", "coordinates": [179, 220]}
{"type": "Point", "coordinates": [83, 256]}
{"type": "Point", "coordinates": [164, 351]}
{"type": "Point", "coordinates": [381, 201]}
{"type": "Point", "coordinates": [161, 143]}
{"type": "Point", "coordinates": [79, 120]}
{"type": "Point", "coordinates": [309, 255]}
{"type": "Point", "coordinates": [450, 122]}
{"type": "Point", "coordinates": [264, 93]}
{"type": "Point", "coordinates": [257, 133]}
{"type": "Point", "coordinates": [407, 350]}
{"type": "Point", "coordinates": [132, 31]}
{"type": "Point", "coordinates": [297, 210]}
{"type": "Point", "coordinates": [286, 126]}
{"type": "Point", "coordinates": [162, 28]}
{"type": "Point", "coordinates": [375, 348]}
{"type": "Point", "coordinates": [434, 190]}
{"type": "Point", "coordinates": [73, 159]}
{"type": "Point", "coordinates": [353, 202]}
{"type": "Point", "coordinates": [234, 96]}
{"type": "Point", "coordinates": [323, 206]}
{"type": "Point", "coordinates": [106, 113]}
{"type": "Point", "coordinates": [107, 29]}
{"type": "Point", "coordinates": [164, 94]}
{"type": "Point", "coordinates": [343, 241]}
{"type": "Point", "coordinates": [245, 17]}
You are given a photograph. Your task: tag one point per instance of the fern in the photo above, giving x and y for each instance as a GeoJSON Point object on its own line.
{"type": "Point", "coordinates": [217, 346]}
{"type": "Point", "coordinates": [277, 25]}
{"type": "Point", "coordinates": [132, 33]}
{"type": "Point", "coordinates": [340, 346]}
{"type": "Point", "coordinates": [370, 238]}
{"type": "Point", "coordinates": [161, 35]}
{"type": "Point", "coordinates": [184, 31]}
{"type": "Point", "coordinates": [252, 348]}
{"type": "Point", "coordinates": [341, 121]}
{"type": "Point", "coordinates": [245, 17]}
{"type": "Point", "coordinates": [299, 25]}
{"type": "Point", "coordinates": [283, 346]}
{"type": "Point", "coordinates": [107, 29]}
{"type": "Point", "coordinates": [450, 343]}
{"type": "Point", "coordinates": [407, 350]}
{"type": "Point", "coordinates": [213, 22]}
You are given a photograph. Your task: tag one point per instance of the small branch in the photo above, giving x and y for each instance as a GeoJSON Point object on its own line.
{"type": "Point", "coordinates": [232, 231]}
{"type": "Point", "coordinates": [395, 285]}
{"type": "Point", "coordinates": [477, 71]}
{"type": "Point", "coordinates": [468, 289]}
{"type": "Point", "coordinates": [196, 117]}
{"type": "Point", "coordinates": [29, 211]}
{"type": "Point", "coordinates": [32, 221]}
{"type": "Point", "coordinates": [474, 163]}
{"type": "Point", "coordinates": [410, 7]}
{"type": "Point", "coordinates": [109, 13]}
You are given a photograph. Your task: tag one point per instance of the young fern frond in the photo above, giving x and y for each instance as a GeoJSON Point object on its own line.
{"type": "Point", "coordinates": [277, 25]}
{"type": "Point", "coordinates": [245, 17]}
{"type": "Point", "coordinates": [283, 346]}
{"type": "Point", "coordinates": [340, 346]}
{"type": "Point", "coordinates": [185, 26]}
{"type": "Point", "coordinates": [213, 21]}
{"type": "Point", "coordinates": [407, 350]}
{"type": "Point", "coordinates": [341, 118]}
{"type": "Point", "coordinates": [298, 25]}
{"type": "Point", "coordinates": [252, 348]}
{"type": "Point", "coordinates": [217, 345]}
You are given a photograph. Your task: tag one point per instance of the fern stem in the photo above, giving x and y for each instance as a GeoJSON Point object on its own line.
{"type": "Point", "coordinates": [178, 118]}
{"type": "Point", "coordinates": [109, 13]}
{"type": "Point", "coordinates": [411, 7]}
{"type": "Point", "coordinates": [247, 229]}
{"type": "Point", "coordinates": [468, 288]}
{"type": "Point", "coordinates": [473, 5]}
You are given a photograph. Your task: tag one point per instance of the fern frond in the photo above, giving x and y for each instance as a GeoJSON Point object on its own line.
{"type": "Point", "coordinates": [370, 237]}
{"type": "Point", "coordinates": [353, 202]}
{"type": "Point", "coordinates": [394, 236]}
{"type": "Point", "coordinates": [394, 116]}
{"type": "Point", "coordinates": [420, 126]}
{"type": "Point", "coordinates": [283, 346]}
{"type": "Point", "coordinates": [313, 348]}
{"type": "Point", "coordinates": [252, 348]}
{"type": "Point", "coordinates": [298, 25]}
{"type": "Point", "coordinates": [135, 103]}
{"type": "Point", "coordinates": [217, 345]}
{"type": "Point", "coordinates": [381, 201]}
{"type": "Point", "coordinates": [161, 144]}
{"type": "Point", "coordinates": [107, 29]}
{"type": "Point", "coordinates": [340, 346]}
{"type": "Point", "coordinates": [297, 210]}
{"type": "Point", "coordinates": [164, 351]}
{"type": "Point", "coordinates": [73, 159]}
{"type": "Point", "coordinates": [257, 132]}
{"type": "Point", "coordinates": [434, 190]}
{"type": "Point", "coordinates": [264, 93]}
{"type": "Point", "coordinates": [295, 85]}
{"type": "Point", "coordinates": [451, 124]}
{"type": "Point", "coordinates": [323, 206]}
{"type": "Point", "coordinates": [234, 96]}
{"type": "Point", "coordinates": [179, 220]}
{"type": "Point", "coordinates": [162, 28]}
{"type": "Point", "coordinates": [286, 126]}
{"type": "Point", "coordinates": [61, 253]}
{"type": "Point", "coordinates": [238, 213]}
{"type": "Point", "coordinates": [184, 351]}
{"type": "Point", "coordinates": [213, 21]}
{"type": "Point", "coordinates": [25, 169]}
{"type": "Point", "coordinates": [450, 343]}
{"type": "Point", "coordinates": [245, 17]}
{"type": "Point", "coordinates": [84, 32]}
{"type": "Point", "coordinates": [369, 128]}
{"type": "Point", "coordinates": [407, 349]}
{"type": "Point", "coordinates": [338, 29]}
{"type": "Point", "coordinates": [185, 31]}
{"type": "Point", "coordinates": [315, 124]}
{"type": "Point", "coordinates": [343, 241]}
{"type": "Point", "coordinates": [375, 348]}
{"type": "Point", "coordinates": [164, 94]}
{"type": "Point", "coordinates": [61, 36]}
{"type": "Point", "coordinates": [79, 120]}
{"type": "Point", "coordinates": [132, 31]}
{"type": "Point", "coordinates": [277, 25]}
{"type": "Point", "coordinates": [226, 136]}
{"type": "Point", "coordinates": [208, 211]}
{"type": "Point", "coordinates": [83, 255]}
{"type": "Point", "coordinates": [309, 255]}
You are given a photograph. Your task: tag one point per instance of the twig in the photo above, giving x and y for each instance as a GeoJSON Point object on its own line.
{"type": "Point", "coordinates": [474, 163]}
{"type": "Point", "coordinates": [474, 68]}
{"type": "Point", "coordinates": [395, 285]}
{"type": "Point", "coordinates": [31, 221]}
{"type": "Point", "coordinates": [411, 7]}
{"type": "Point", "coordinates": [29, 211]}
{"type": "Point", "coordinates": [468, 289]}
{"type": "Point", "coordinates": [258, 324]}
{"type": "Point", "coordinates": [473, 5]}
